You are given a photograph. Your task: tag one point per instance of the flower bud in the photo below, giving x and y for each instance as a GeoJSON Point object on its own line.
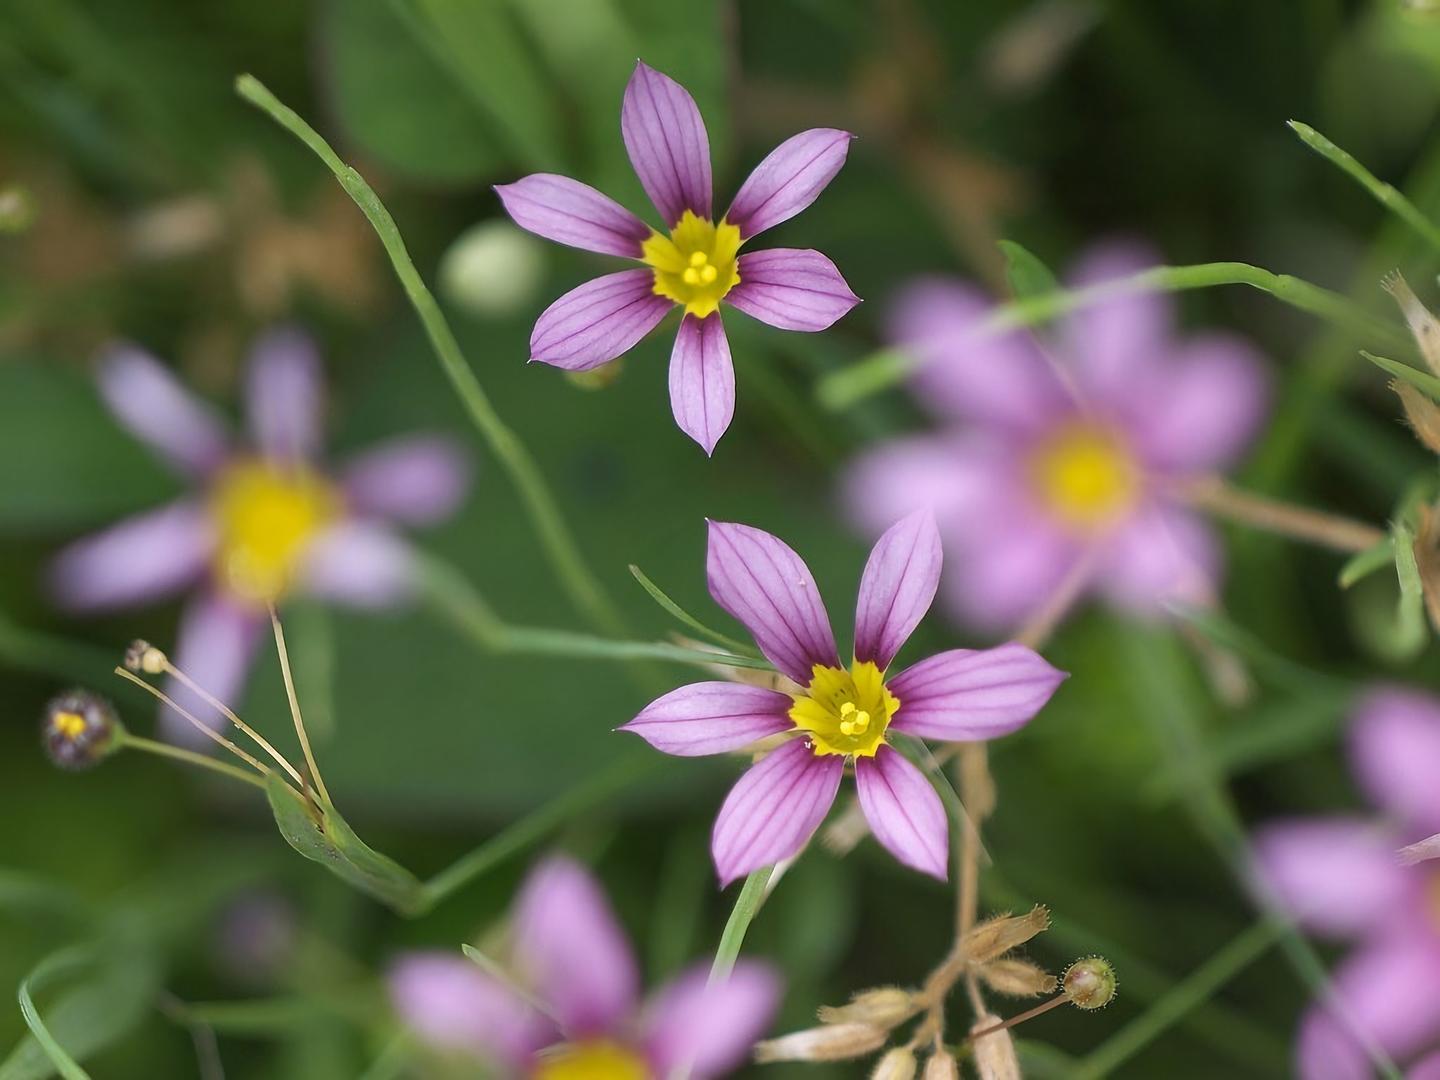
{"type": "Point", "coordinates": [941, 1066]}
{"type": "Point", "coordinates": [995, 1057]}
{"type": "Point", "coordinates": [597, 378]}
{"type": "Point", "coordinates": [80, 728]}
{"type": "Point", "coordinates": [17, 209]}
{"type": "Point", "coordinates": [997, 936]}
{"type": "Point", "coordinates": [1018, 978]}
{"type": "Point", "coordinates": [492, 268]}
{"type": "Point", "coordinates": [884, 1006]}
{"type": "Point", "coordinates": [1090, 983]}
{"type": "Point", "coordinates": [897, 1064]}
{"type": "Point", "coordinates": [142, 656]}
{"type": "Point", "coordinates": [829, 1042]}
{"type": "Point", "coordinates": [1423, 326]}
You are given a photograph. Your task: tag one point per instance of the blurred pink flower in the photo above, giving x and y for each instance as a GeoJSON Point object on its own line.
{"type": "Point", "coordinates": [696, 263]}
{"type": "Point", "coordinates": [1055, 471]}
{"type": "Point", "coordinates": [840, 714]}
{"type": "Point", "coordinates": [1340, 877]}
{"type": "Point", "coordinates": [574, 962]}
{"type": "Point", "coordinates": [262, 521]}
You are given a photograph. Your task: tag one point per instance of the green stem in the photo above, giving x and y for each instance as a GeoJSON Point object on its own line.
{"type": "Point", "coordinates": [160, 749]}
{"type": "Point", "coordinates": [747, 906]}
{"type": "Point", "coordinates": [1191, 992]}
{"type": "Point", "coordinates": [585, 590]}
{"type": "Point", "coordinates": [851, 385]}
{"type": "Point", "coordinates": [1385, 194]}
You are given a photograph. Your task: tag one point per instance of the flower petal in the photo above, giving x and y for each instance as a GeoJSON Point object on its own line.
{"type": "Point", "coordinates": [792, 288]}
{"type": "Point", "coordinates": [1162, 555]}
{"type": "Point", "coordinates": [904, 812]}
{"type": "Point", "coordinates": [453, 1005]}
{"type": "Point", "coordinates": [146, 557]}
{"type": "Point", "coordinates": [215, 644]}
{"type": "Point", "coordinates": [702, 1029]}
{"type": "Point", "coordinates": [359, 563]}
{"type": "Point", "coordinates": [569, 212]}
{"type": "Point", "coordinates": [774, 809]}
{"type": "Point", "coordinates": [791, 177]}
{"type": "Point", "coordinates": [154, 407]}
{"type": "Point", "coordinates": [1116, 343]}
{"type": "Point", "coordinates": [711, 718]}
{"type": "Point", "coordinates": [702, 380]}
{"type": "Point", "coordinates": [568, 943]}
{"type": "Point", "coordinates": [897, 588]}
{"type": "Point", "coordinates": [965, 694]}
{"type": "Point", "coordinates": [667, 143]}
{"type": "Point", "coordinates": [598, 321]}
{"type": "Point", "coordinates": [966, 372]}
{"type": "Point", "coordinates": [286, 396]}
{"type": "Point", "coordinates": [418, 480]}
{"type": "Point", "coordinates": [1335, 875]}
{"type": "Point", "coordinates": [759, 580]}
{"type": "Point", "coordinates": [1199, 412]}
{"type": "Point", "coordinates": [1395, 751]}
{"type": "Point", "coordinates": [1324, 1050]}
{"type": "Point", "coordinates": [1389, 989]}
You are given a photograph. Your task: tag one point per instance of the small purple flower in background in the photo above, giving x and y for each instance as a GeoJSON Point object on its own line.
{"type": "Point", "coordinates": [1340, 877]}
{"type": "Point", "coordinates": [1065, 471]}
{"type": "Point", "coordinates": [263, 521]}
{"type": "Point", "coordinates": [581, 1018]}
{"type": "Point", "coordinates": [839, 714]}
{"type": "Point", "coordinates": [695, 264]}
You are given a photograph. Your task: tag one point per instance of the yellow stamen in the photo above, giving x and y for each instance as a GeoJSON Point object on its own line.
{"type": "Point", "coordinates": [265, 517]}
{"type": "Point", "coordinates": [845, 712]}
{"type": "Point", "coordinates": [69, 725]}
{"type": "Point", "coordinates": [695, 265]}
{"type": "Point", "coordinates": [1085, 477]}
{"type": "Point", "coordinates": [600, 1059]}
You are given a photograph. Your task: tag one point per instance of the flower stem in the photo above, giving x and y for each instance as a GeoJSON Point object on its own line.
{"type": "Point", "coordinates": [585, 590]}
{"type": "Point", "coordinates": [747, 906]}
{"type": "Point", "coordinates": [1019, 1018]}
{"type": "Point", "coordinates": [847, 387]}
{"type": "Point", "coordinates": [1214, 495]}
{"type": "Point", "coordinates": [295, 707]}
{"type": "Point", "coordinates": [199, 725]}
{"type": "Point", "coordinates": [165, 750]}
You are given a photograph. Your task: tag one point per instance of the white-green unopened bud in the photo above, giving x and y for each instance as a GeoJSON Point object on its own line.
{"type": "Point", "coordinates": [492, 269]}
{"type": "Point", "coordinates": [829, 1042]}
{"type": "Point", "coordinates": [941, 1065]}
{"type": "Point", "coordinates": [1090, 983]}
{"type": "Point", "coordinates": [897, 1064]}
{"type": "Point", "coordinates": [884, 1006]}
{"type": "Point", "coordinates": [995, 1057]}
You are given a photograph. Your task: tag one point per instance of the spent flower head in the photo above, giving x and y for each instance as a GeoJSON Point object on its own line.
{"type": "Point", "coordinates": [80, 729]}
{"type": "Point", "coordinates": [695, 262]}
{"type": "Point", "coordinates": [840, 714]}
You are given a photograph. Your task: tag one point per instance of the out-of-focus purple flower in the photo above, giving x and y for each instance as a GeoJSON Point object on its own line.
{"type": "Point", "coordinates": [695, 263]}
{"type": "Point", "coordinates": [262, 521]}
{"type": "Point", "coordinates": [256, 937]}
{"type": "Point", "coordinates": [1061, 465]}
{"type": "Point", "coordinates": [839, 714]}
{"type": "Point", "coordinates": [1339, 876]}
{"type": "Point", "coordinates": [572, 958]}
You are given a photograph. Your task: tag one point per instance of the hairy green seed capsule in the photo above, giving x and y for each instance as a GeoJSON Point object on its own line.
{"type": "Point", "coordinates": [1090, 983]}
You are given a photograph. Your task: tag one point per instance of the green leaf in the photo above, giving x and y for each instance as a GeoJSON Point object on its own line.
{"type": "Point", "coordinates": [1028, 276]}
{"type": "Point", "coordinates": [332, 843]}
{"type": "Point", "coordinates": [398, 102]}
{"type": "Point", "coordinates": [1410, 629]}
{"type": "Point", "coordinates": [1421, 380]}
{"type": "Point", "coordinates": [659, 596]}
{"type": "Point", "coordinates": [1361, 566]}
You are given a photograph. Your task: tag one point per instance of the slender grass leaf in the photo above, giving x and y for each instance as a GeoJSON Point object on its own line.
{"type": "Point", "coordinates": [1421, 380]}
{"type": "Point", "coordinates": [1028, 276]}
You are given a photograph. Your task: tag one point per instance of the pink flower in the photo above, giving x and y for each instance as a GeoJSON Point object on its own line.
{"type": "Point", "coordinates": [261, 522]}
{"type": "Point", "coordinates": [572, 955]}
{"type": "Point", "coordinates": [695, 264]}
{"type": "Point", "coordinates": [839, 714]}
{"type": "Point", "coordinates": [1053, 468]}
{"type": "Point", "coordinates": [1340, 877]}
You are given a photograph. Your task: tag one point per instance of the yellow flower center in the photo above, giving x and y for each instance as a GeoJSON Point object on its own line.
{"type": "Point", "coordinates": [1085, 477]}
{"type": "Point", "coordinates": [597, 1060]}
{"type": "Point", "coordinates": [845, 712]}
{"type": "Point", "coordinates": [265, 516]}
{"type": "Point", "coordinates": [68, 725]}
{"type": "Point", "coordinates": [695, 265]}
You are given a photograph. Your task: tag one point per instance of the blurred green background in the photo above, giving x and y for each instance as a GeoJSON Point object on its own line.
{"type": "Point", "coordinates": [169, 212]}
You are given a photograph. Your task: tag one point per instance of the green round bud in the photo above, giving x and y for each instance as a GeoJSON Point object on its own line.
{"type": "Point", "coordinates": [1090, 983]}
{"type": "Point", "coordinates": [492, 269]}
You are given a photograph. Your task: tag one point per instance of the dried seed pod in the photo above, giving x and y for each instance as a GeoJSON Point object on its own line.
{"type": "Point", "coordinates": [883, 1006]}
{"type": "Point", "coordinates": [1422, 414]}
{"type": "Point", "coordinates": [997, 936]}
{"type": "Point", "coordinates": [1423, 326]}
{"type": "Point", "coordinates": [995, 1057]}
{"type": "Point", "coordinates": [897, 1064]}
{"type": "Point", "coordinates": [142, 656]}
{"type": "Point", "coordinates": [829, 1042]}
{"type": "Point", "coordinates": [80, 729]}
{"type": "Point", "coordinates": [1090, 983]}
{"type": "Point", "coordinates": [941, 1066]}
{"type": "Point", "coordinates": [1427, 561]}
{"type": "Point", "coordinates": [1018, 978]}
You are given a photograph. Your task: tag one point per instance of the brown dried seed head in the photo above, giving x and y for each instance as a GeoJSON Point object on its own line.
{"type": "Point", "coordinates": [1427, 561]}
{"type": "Point", "coordinates": [1423, 325]}
{"type": "Point", "coordinates": [1018, 978]}
{"type": "Point", "coordinates": [941, 1066]}
{"type": "Point", "coordinates": [1422, 414]}
{"type": "Point", "coordinates": [897, 1064]}
{"type": "Point", "coordinates": [829, 1042]}
{"type": "Point", "coordinates": [995, 1057]}
{"type": "Point", "coordinates": [884, 1006]}
{"type": "Point", "coordinates": [997, 936]}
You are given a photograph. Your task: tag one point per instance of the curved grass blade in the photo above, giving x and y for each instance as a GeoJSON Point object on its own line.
{"type": "Point", "coordinates": [662, 598]}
